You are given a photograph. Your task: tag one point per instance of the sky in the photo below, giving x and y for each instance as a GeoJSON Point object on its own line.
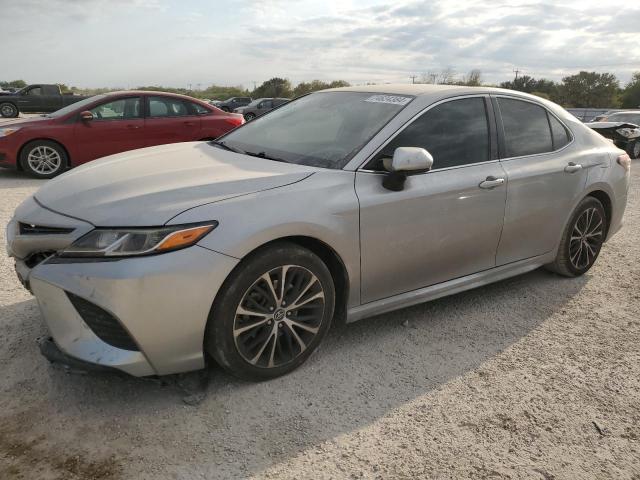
{"type": "Point", "coordinates": [129, 43]}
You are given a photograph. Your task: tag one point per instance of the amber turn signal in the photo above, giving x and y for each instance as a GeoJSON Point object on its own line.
{"type": "Point", "coordinates": [184, 238]}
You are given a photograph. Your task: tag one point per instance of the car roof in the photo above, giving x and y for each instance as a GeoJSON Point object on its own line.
{"type": "Point", "coordinates": [153, 92]}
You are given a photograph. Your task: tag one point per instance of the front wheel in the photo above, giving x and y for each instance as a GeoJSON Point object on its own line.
{"type": "Point", "coordinates": [249, 116]}
{"type": "Point", "coordinates": [271, 313]}
{"type": "Point", "coordinates": [8, 110]}
{"type": "Point", "coordinates": [43, 159]}
{"type": "Point", "coordinates": [582, 239]}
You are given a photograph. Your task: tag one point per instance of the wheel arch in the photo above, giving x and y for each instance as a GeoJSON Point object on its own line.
{"type": "Point", "coordinates": [45, 139]}
{"type": "Point", "coordinates": [604, 198]}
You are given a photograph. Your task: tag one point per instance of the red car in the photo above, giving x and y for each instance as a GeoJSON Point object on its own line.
{"type": "Point", "coordinates": [106, 124]}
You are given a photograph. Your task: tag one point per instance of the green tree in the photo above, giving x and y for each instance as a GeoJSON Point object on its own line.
{"type": "Point", "coordinates": [630, 97]}
{"type": "Point", "coordinates": [13, 84]}
{"type": "Point", "coordinates": [589, 89]}
{"type": "Point", "coordinates": [274, 87]}
{"type": "Point", "coordinates": [314, 85]}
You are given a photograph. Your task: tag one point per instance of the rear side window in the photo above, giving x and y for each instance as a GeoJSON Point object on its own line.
{"type": "Point", "coordinates": [199, 109]}
{"type": "Point", "coordinates": [559, 133]}
{"type": "Point", "coordinates": [526, 128]}
{"type": "Point", "coordinates": [167, 107]}
{"type": "Point", "coordinates": [455, 133]}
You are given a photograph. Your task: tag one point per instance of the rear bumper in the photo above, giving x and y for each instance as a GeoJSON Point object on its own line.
{"type": "Point", "coordinates": [161, 301]}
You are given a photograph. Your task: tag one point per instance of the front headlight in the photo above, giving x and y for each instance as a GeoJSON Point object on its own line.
{"type": "Point", "coordinates": [126, 242]}
{"type": "Point", "coordinates": [629, 132]}
{"type": "Point", "coordinates": [5, 132]}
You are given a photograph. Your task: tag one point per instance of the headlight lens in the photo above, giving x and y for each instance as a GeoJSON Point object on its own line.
{"type": "Point", "coordinates": [125, 242]}
{"type": "Point", "coordinates": [629, 132]}
{"type": "Point", "coordinates": [5, 132]}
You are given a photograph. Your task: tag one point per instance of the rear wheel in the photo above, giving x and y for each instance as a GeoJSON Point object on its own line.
{"type": "Point", "coordinates": [43, 159]}
{"type": "Point", "coordinates": [634, 149]}
{"type": "Point", "coordinates": [272, 312]}
{"type": "Point", "coordinates": [582, 239]}
{"type": "Point", "coordinates": [8, 110]}
{"type": "Point", "coordinates": [249, 116]}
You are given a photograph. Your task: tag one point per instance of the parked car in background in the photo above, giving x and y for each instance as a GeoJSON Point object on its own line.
{"type": "Point", "coordinates": [231, 104]}
{"type": "Point", "coordinates": [39, 98]}
{"type": "Point", "coordinates": [106, 124]}
{"type": "Point", "coordinates": [260, 107]}
{"type": "Point", "coordinates": [623, 128]}
{"type": "Point", "coordinates": [339, 205]}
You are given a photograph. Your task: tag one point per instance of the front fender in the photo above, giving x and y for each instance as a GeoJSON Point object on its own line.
{"type": "Point", "coordinates": [323, 206]}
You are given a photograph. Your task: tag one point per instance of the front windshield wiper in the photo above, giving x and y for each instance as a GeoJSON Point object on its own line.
{"type": "Point", "coordinates": [227, 147]}
{"type": "Point", "coordinates": [266, 157]}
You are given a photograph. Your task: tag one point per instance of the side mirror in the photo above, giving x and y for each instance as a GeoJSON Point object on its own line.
{"type": "Point", "coordinates": [86, 116]}
{"type": "Point", "coordinates": [406, 161]}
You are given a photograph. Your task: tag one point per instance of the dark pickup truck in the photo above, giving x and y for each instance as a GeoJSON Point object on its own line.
{"type": "Point", "coordinates": [35, 98]}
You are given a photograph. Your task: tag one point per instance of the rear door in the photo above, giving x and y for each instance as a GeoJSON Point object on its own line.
{"type": "Point", "coordinates": [546, 178]}
{"type": "Point", "coordinates": [117, 126]}
{"type": "Point", "coordinates": [170, 120]}
{"type": "Point", "coordinates": [51, 98]}
{"type": "Point", "coordinates": [445, 223]}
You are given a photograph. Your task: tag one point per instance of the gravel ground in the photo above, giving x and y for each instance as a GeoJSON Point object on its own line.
{"type": "Point", "coordinates": [533, 377]}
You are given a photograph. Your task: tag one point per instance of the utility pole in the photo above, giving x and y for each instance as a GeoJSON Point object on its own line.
{"type": "Point", "coordinates": [433, 77]}
{"type": "Point", "coordinates": [254, 84]}
{"type": "Point", "coordinates": [517, 72]}
{"type": "Point", "coordinates": [413, 78]}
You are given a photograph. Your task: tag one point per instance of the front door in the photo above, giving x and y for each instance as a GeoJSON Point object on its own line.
{"type": "Point", "coordinates": [446, 223]}
{"type": "Point", "coordinates": [117, 126]}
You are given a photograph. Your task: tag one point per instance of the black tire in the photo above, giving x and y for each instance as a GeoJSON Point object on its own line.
{"type": "Point", "coordinates": [54, 157]}
{"type": "Point", "coordinates": [249, 116]}
{"type": "Point", "coordinates": [279, 351]}
{"type": "Point", "coordinates": [581, 240]}
{"type": "Point", "coordinates": [633, 149]}
{"type": "Point", "coordinates": [225, 109]}
{"type": "Point", "coordinates": [8, 110]}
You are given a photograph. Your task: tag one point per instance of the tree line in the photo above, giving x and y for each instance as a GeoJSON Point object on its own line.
{"type": "Point", "coordinates": [582, 90]}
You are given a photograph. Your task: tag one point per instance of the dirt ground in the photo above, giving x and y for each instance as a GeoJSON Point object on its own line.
{"type": "Point", "coordinates": [533, 377]}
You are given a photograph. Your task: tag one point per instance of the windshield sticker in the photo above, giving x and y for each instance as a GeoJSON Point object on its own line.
{"type": "Point", "coordinates": [394, 99]}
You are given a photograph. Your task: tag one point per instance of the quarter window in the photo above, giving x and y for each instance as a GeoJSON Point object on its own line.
{"type": "Point", "coordinates": [526, 128]}
{"type": "Point", "coordinates": [120, 109]}
{"type": "Point", "coordinates": [455, 133]}
{"type": "Point", "coordinates": [559, 133]}
{"type": "Point", "coordinates": [167, 107]}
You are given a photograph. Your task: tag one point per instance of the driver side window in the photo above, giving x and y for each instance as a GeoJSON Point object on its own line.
{"type": "Point", "coordinates": [455, 133]}
{"type": "Point", "coordinates": [124, 108]}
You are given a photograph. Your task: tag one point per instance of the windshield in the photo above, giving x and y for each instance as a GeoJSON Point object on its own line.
{"type": "Point", "coordinates": [75, 106]}
{"type": "Point", "coordinates": [625, 117]}
{"type": "Point", "coordinates": [321, 130]}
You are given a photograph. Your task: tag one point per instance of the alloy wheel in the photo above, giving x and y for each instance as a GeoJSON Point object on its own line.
{"type": "Point", "coordinates": [586, 238]}
{"type": "Point", "coordinates": [279, 316]}
{"type": "Point", "coordinates": [44, 160]}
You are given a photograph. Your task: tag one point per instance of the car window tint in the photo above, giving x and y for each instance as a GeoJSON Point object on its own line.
{"type": "Point", "coordinates": [166, 107]}
{"type": "Point", "coordinates": [455, 133]}
{"type": "Point", "coordinates": [266, 104]}
{"type": "Point", "coordinates": [120, 109]}
{"type": "Point", "coordinates": [559, 132]}
{"type": "Point", "coordinates": [526, 128]}
{"type": "Point", "coordinates": [35, 91]}
{"type": "Point", "coordinates": [199, 109]}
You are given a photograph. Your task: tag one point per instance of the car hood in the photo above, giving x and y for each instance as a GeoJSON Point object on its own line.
{"type": "Point", "coordinates": [598, 125]}
{"type": "Point", "coordinates": [23, 122]}
{"type": "Point", "coordinates": [150, 186]}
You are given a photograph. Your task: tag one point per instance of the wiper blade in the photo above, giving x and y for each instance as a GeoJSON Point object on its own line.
{"type": "Point", "coordinates": [227, 147]}
{"type": "Point", "coordinates": [266, 157]}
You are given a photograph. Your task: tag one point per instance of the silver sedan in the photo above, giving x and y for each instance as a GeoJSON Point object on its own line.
{"type": "Point", "coordinates": [340, 205]}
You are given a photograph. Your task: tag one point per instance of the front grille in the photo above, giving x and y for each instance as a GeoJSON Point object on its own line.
{"type": "Point", "coordinates": [106, 327]}
{"type": "Point", "coordinates": [29, 229]}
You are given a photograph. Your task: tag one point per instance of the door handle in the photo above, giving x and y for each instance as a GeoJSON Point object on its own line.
{"type": "Point", "coordinates": [189, 124]}
{"type": "Point", "coordinates": [133, 127]}
{"type": "Point", "coordinates": [491, 182]}
{"type": "Point", "coordinates": [572, 168]}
